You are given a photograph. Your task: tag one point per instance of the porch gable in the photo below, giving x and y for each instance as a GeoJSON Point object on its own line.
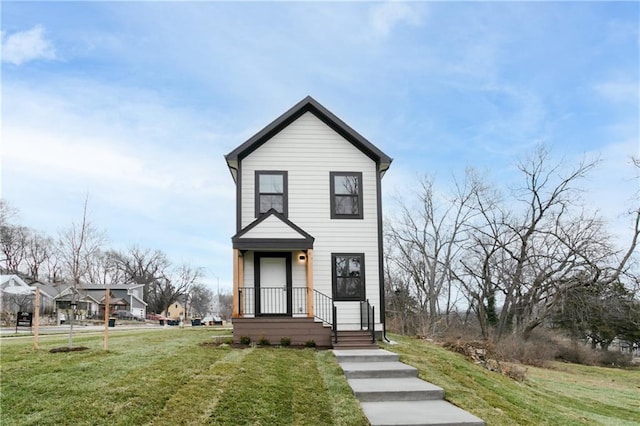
{"type": "Point", "coordinates": [272, 231]}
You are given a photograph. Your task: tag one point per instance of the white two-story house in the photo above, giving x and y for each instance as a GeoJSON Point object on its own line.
{"type": "Point", "coordinates": [307, 252]}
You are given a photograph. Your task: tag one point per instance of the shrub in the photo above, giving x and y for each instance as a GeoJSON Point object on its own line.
{"type": "Point", "coordinates": [310, 344]}
{"type": "Point", "coordinates": [577, 353]}
{"type": "Point", "coordinates": [264, 341]}
{"type": "Point", "coordinates": [245, 340]}
{"type": "Point", "coordinates": [539, 349]}
{"type": "Point", "coordinates": [285, 341]}
{"type": "Point", "coordinates": [608, 358]}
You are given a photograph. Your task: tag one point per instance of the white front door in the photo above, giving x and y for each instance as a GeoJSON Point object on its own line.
{"type": "Point", "coordinates": [273, 285]}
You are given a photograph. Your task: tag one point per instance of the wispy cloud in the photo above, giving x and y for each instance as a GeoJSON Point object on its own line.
{"type": "Point", "coordinates": [385, 16]}
{"type": "Point", "coordinates": [619, 91]}
{"type": "Point", "coordinates": [24, 46]}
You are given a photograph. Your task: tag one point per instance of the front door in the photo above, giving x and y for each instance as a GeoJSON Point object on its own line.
{"type": "Point", "coordinates": [273, 283]}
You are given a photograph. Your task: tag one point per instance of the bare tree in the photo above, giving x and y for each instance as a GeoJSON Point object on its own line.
{"type": "Point", "coordinates": [13, 243]}
{"type": "Point", "coordinates": [426, 240]}
{"type": "Point", "coordinates": [143, 266]}
{"type": "Point", "coordinates": [165, 291]}
{"type": "Point", "coordinates": [201, 298]}
{"type": "Point", "coordinates": [527, 256]}
{"type": "Point", "coordinates": [78, 247]}
{"type": "Point", "coordinates": [225, 307]}
{"type": "Point", "coordinates": [105, 269]}
{"type": "Point", "coordinates": [38, 251]}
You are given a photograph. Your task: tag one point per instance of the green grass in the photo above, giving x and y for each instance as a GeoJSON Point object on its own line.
{"type": "Point", "coordinates": [565, 394]}
{"type": "Point", "coordinates": [169, 378]}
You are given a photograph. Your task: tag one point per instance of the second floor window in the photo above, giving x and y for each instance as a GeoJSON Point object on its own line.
{"type": "Point", "coordinates": [346, 195]}
{"type": "Point", "coordinates": [271, 192]}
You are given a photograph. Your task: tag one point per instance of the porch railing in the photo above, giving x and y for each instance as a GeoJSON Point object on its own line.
{"type": "Point", "coordinates": [325, 310]}
{"type": "Point", "coordinates": [322, 307]}
{"type": "Point", "coordinates": [367, 319]}
{"type": "Point", "coordinates": [274, 300]}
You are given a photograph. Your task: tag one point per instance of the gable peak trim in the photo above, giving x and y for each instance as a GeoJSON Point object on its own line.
{"type": "Point", "coordinates": [308, 104]}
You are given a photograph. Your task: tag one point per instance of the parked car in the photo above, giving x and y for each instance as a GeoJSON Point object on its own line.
{"type": "Point", "coordinates": [125, 315]}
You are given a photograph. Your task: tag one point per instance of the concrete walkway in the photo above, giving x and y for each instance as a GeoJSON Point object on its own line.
{"type": "Point", "coordinates": [391, 393]}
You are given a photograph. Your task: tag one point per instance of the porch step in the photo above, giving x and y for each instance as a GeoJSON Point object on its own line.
{"type": "Point", "coordinates": [354, 340]}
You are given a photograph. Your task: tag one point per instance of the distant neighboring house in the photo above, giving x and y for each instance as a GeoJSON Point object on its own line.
{"type": "Point", "coordinates": [123, 297]}
{"type": "Point", "coordinates": [48, 292]}
{"type": "Point", "coordinates": [175, 311]}
{"type": "Point", "coordinates": [86, 306]}
{"type": "Point", "coordinates": [307, 249]}
{"type": "Point", "coordinates": [90, 301]}
{"type": "Point", "coordinates": [624, 347]}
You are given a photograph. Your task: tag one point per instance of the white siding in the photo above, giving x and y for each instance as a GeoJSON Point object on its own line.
{"type": "Point", "coordinates": [248, 282]}
{"type": "Point", "coordinates": [308, 149]}
{"type": "Point", "coordinates": [248, 269]}
{"type": "Point", "coordinates": [272, 227]}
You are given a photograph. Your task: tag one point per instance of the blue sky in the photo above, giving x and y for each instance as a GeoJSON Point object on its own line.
{"type": "Point", "coordinates": [136, 103]}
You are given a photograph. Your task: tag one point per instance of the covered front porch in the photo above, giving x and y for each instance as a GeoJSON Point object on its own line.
{"type": "Point", "coordinates": [273, 288]}
{"type": "Point", "coordinates": [274, 298]}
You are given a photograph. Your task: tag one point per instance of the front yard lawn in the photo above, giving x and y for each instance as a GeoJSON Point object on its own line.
{"type": "Point", "coordinates": [169, 377]}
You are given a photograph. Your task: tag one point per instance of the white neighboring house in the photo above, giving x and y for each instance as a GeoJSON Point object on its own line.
{"type": "Point", "coordinates": [308, 229]}
{"type": "Point", "coordinates": [15, 294]}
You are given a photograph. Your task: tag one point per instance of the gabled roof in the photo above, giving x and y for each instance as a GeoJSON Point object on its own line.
{"type": "Point", "coordinates": [66, 296]}
{"type": "Point", "coordinates": [101, 291]}
{"type": "Point", "coordinates": [91, 286]}
{"type": "Point", "coordinates": [295, 239]}
{"type": "Point", "coordinates": [308, 104]}
{"type": "Point", "coordinates": [13, 284]}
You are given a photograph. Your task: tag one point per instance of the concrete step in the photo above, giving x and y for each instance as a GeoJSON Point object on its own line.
{"type": "Point", "coordinates": [365, 355]}
{"type": "Point", "coordinates": [357, 333]}
{"type": "Point", "coordinates": [415, 413]}
{"type": "Point", "coordinates": [394, 389]}
{"type": "Point", "coordinates": [372, 370]}
{"type": "Point", "coordinates": [354, 345]}
{"type": "Point", "coordinates": [354, 340]}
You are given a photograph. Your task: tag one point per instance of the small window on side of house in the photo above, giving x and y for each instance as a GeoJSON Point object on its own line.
{"type": "Point", "coordinates": [346, 195]}
{"type": "Point", "coordinates": [271, 192]}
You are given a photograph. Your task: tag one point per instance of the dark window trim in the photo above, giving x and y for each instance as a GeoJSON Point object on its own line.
{"type": "Point", "coordinates": [334, 278]}
{"type": "Point", "coordinates": [285, 189]}
{"type": "Point", "coordinates": [332, 194]}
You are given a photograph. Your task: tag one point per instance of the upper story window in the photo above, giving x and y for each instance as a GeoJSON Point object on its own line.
{"type": "Point", "coordinates": [346, 195]}
{"type": "Point", "coordinates": [271, 191]}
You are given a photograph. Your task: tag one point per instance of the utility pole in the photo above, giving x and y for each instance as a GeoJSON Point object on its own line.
{"type": "Point", "coordinates": [218, 303]}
